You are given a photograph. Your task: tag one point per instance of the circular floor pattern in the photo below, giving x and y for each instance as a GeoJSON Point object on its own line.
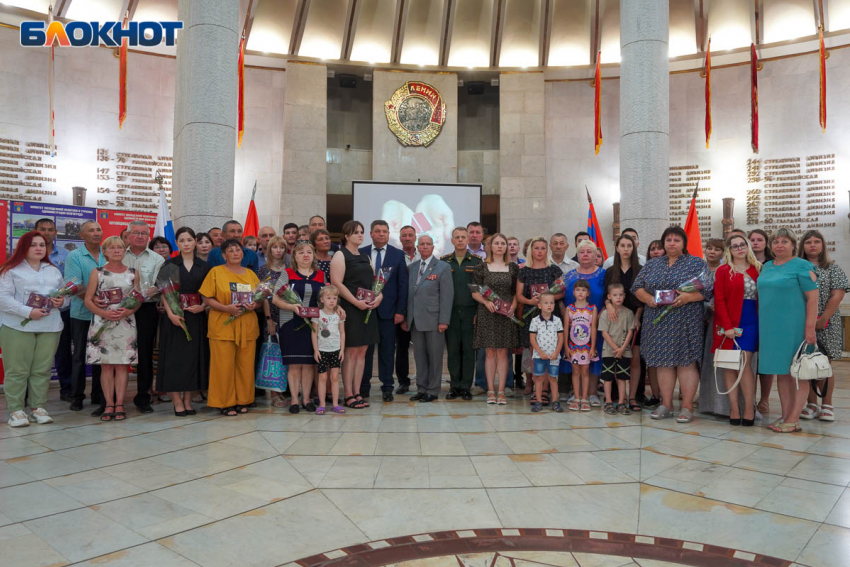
{"type": "Point", "coordinates": [535, 548]}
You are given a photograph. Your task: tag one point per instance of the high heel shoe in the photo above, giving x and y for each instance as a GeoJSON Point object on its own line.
{"type": "Point", "coordinates": [180, 413]}
{"type": "Point", "coordinates": [191, 411]}
{"type": "Point", "coordinates": [748, 422]}
{"type": "Point", "coordinates": [736, 421]}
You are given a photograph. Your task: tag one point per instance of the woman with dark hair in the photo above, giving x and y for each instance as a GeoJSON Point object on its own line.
{"type": "Point", "coordinates": [626, 267]}
{"type": "Point", "coordinates": [161, 246]}
{"type": "Point", "coordinates": [321, 241]}
{"type": "Point", "coordinates": [673, 345]}
{"type": "Point", "coordinates": [233, 345]}
{"type": "Point", "coordinates": [28, 349]}
{"type": "Point", "coordinates": [763, 253]}
{"type": "Point", "coordinates": [350, 270]}
{"type": "Point", "coordinates": [204, 245]}
{"type": "Point", "coordinates": [832, 286]}
{"type": "Point", "coordinates": [789, 285]}
{"type": "Point", "coordinates": [183, 365]}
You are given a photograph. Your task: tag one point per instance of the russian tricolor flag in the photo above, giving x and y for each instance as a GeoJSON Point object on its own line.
{"type": "Point", "coordinates": [593, 227]}
{"type": "Point", "coordinates": [163, 221]}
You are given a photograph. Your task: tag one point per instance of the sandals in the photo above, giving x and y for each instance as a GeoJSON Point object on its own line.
{"type": "Point", "coordinates": [763, 407]}
{"type": "Point", "coordinates": [546, 398]}
{"type": "Point", "coordinates": [827, 413]}
{"type": "Point", "coordinates": [338, 409]}
{"type": "Point", "coordinates": [652, 402]}
{"type": "Point", "coordinates": [633, 406]}
{"type": "Point", "coordinates": [320, 410]}
{"type": "Point", "coordinates": [491, 397]}
{"type": "Point", "coordinates": [623, 409]}
{"type": "Point", "coordinates": [360, 400]}
{"type": "Point", "coordinates": [229, 412]}
{"type": "Point", "coordinates": [661, 412]}
{"type": "Point", "coordinates": [536, 407]}
{"type": "Point", "coordinates": [573, 405]}
{"type": "Point", "coordinates": [811, 411]}
{"type": "Point", "coordinates": [685, 416]}
{"type": "Point", "coordinates": [609, 408]}
{"type": "Point", "coordinates": [241, 409]}
{"type": "Point", "coordinates": [785, 427]}
{"type": "Point", "coordinates": [585, 405]}
{"type": "Point", "coordinates": [556, 407]}
{"type": "Point", "coordinates": [355, 404]}
{"type": "Point", "coordinates": [279, 402]}
{"type": "Point", "coordinates": [107, 416]}
{"type": "Point", "coordinates": [502, 400]}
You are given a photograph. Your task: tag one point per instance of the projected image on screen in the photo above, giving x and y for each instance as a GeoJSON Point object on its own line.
{"type": "Point", "coordinates": [434, 210]}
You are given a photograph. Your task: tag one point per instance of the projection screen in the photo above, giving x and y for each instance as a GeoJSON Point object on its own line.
{"type": "Point", "coordinates": [430, 208]}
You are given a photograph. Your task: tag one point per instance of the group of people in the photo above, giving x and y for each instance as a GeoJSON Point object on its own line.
{"type": "Point", "coordinates": [616, 323]}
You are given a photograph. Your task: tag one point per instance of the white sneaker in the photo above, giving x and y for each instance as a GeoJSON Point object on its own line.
{"type": "Point", "coordinates": [477, 391]}
{"type": "Point", "coordinates": [594, 401]}
{"type": "Point", "coordinates": [509, 392]}
{"type": "Point", "coordinates": [18, 419]}
{"type": "Point", "coordinates": [40, 416]}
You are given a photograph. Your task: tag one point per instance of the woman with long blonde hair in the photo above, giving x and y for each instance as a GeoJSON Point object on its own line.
{"type": "Point", "coordinates": [735, 325]}
{"type": "Point", "coordinates": [496, 333]}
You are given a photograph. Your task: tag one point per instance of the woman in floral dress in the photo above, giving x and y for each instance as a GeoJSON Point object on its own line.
{"type": "Point", "coordinates": [116, 346]}
{"type": "Point", "coordinates": [832, 286]}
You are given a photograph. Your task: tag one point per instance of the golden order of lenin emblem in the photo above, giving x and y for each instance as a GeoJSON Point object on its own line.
{"type": "Point", "coordinates": [416, 113]}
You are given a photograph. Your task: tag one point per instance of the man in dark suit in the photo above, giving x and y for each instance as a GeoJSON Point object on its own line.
{"type": "Point", "coordinates": [391, 310]}
{"type": "Point", "coordinates": [429, 311]}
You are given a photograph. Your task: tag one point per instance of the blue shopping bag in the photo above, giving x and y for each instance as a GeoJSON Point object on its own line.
{"type": "Point", "coordinates": [271, 372]}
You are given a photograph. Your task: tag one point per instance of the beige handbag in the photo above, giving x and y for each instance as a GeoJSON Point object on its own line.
{"type": "Point", "coordinates": [729, 360]}
{"type": "Point", "coordinates": [810, 365]}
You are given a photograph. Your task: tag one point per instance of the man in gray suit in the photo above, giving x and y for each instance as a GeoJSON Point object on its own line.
{"type": "Point", "coordinates": [429, 310]}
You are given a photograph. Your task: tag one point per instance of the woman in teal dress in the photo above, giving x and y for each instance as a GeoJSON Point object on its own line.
{"type": "Point", "coordinates": [788, 310]}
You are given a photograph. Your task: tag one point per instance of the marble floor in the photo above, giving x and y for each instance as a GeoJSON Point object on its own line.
{"type": "Point", "coordinates": [401, 482]}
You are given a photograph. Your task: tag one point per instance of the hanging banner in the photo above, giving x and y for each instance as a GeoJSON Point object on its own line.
{"type": "Point", "coordinates": [69, 220]}
{"type": "Point", "coordinates": [113, 222]}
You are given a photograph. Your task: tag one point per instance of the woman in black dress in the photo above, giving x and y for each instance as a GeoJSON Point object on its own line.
{"type": "Point", "coordinates": [538, 272]}
{"type": "Point", "coordinates": [184, 365]}
{"type": "Point", "coordinates": [350, 270]}
{"type": "Point", "coordinates": [624, 271]}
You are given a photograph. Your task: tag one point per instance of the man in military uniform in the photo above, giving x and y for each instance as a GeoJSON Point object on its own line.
{"type": "Point", "coordinates": [459, 334]}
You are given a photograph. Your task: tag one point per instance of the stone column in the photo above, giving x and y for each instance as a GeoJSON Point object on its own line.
{"type": "Point", "coordinates": [304, 185]}
{"type": "Point", "coordinates": [522, 155]}
{"type": "Point", "coordinates": [644, 116]}
{"type": "Point", "coordinates": [205, 113]}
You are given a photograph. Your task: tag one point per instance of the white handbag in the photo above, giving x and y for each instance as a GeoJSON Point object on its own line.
{"type": "Point", "coordinates": [729, 360]}
{"type": "Point", "coordinates": [810, 365]}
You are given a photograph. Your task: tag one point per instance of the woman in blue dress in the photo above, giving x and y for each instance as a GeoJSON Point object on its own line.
{"type": "Point", "coordinates": [674, 345]}
{"type": "Point", "coordinates": [595, 276]}
{"type": "Point", "coordinates": [789, 286]}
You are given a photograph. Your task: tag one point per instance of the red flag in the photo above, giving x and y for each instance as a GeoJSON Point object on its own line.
{"type": "Point", "coordinates": [754, 99]}
{"type": "Point", "coordinates": [122, 76]}
{"type": "Point", "coordinates": [692, 228]}
{"type": "Point", "coordinates": [596, 104]}
{"type": "Point", "coordinates": [593, 226]}
{"type": "Point", "coordinates": [822, 115]}
{"type": "Point", "coordinates": [252, 223]}
{"type": "Point", "coordinates": [241, 102]}
{"type": "Point", "coordinates": [708, 94]}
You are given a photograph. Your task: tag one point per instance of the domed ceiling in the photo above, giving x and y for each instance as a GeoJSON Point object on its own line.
{"type": "Point", "coordinates": [479, 34]}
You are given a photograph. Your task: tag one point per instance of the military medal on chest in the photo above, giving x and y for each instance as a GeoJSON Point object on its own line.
{"type": "Point", "coordinates": [416, 113]}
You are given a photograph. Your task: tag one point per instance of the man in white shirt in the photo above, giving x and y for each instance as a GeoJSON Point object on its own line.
{"type": "Point", "coordinates": [147, 263]}
{"type": "Point", "coordinates": [558, 246]}
{"type": "Point", "coordinates": [476, 236]}
{"type": "Point", "coordinates": [634, 236]}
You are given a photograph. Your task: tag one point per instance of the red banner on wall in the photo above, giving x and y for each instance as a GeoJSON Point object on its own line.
{"type": "Point", "coordinates": [113, 222]}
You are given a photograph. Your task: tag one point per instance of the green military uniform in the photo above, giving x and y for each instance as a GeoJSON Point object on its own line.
{"type": "Point", "coordinates": [461, 356]}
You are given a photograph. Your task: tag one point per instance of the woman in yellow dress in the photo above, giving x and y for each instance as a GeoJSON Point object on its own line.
{"type": "Point", "coordinates": [232, 346]}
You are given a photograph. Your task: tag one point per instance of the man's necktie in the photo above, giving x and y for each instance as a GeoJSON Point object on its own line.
{"type": "Point", "coordinates": [421, 271]}
{"type": "Point", "coordinates": [378, 262]}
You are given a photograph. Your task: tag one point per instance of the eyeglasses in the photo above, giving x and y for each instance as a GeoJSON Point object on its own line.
{"type": "Point", "coordinates": [302, 242]}
{"type": "Point", "coordinates": [738, 246]}
{"type": "Point", "coordinates": [139, 234]}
